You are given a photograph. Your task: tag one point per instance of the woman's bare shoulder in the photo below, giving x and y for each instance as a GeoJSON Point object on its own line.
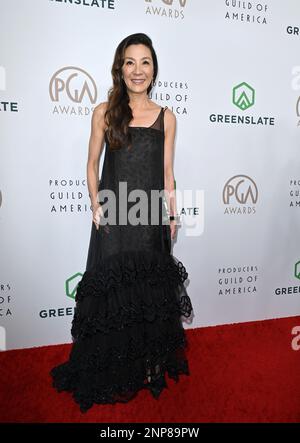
{"type": "Point", "coordinates": [170, 118]}
{"type": "Point", "coordinates": [99, 113]}
{"type": "Point", "coordinates": [101, 108]}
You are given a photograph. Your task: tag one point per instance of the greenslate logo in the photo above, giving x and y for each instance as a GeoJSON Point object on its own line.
{"type": "Point", "coordinates": [71, 285]}
{"type": "Point", "coordinates": [243, 96]}
{"type": "Point", "coordinates": [297, 270]}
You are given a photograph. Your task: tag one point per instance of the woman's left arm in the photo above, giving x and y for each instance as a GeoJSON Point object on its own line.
{"type": "Point", "coordinates": [170, 131]}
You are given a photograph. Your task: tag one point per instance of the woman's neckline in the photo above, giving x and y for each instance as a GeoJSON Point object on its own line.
{"type": "Point", "coordinates": [148, 127]}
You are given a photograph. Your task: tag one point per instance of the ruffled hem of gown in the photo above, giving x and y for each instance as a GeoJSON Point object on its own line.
{"type": "Point", "coordinates": [127, 329]}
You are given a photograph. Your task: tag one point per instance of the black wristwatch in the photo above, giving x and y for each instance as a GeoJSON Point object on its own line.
{"type": "Point", "coordinates": [173, 217]}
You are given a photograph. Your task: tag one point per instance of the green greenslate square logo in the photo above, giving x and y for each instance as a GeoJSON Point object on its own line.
{"type": "Point", "coordinates": [243, 96]}
{"type": "Point", "coordinates": [297, 270]}
{"type": "Point", "coordinates": [71, 285]}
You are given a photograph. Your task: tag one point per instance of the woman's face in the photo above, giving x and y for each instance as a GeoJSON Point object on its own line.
{"type": "Point", "coordinates": [138, 68]}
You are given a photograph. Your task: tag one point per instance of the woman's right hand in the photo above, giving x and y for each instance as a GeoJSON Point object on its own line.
{"type": "Point", "coordinates": [97, 213]}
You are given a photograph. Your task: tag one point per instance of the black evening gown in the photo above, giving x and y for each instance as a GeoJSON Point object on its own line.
{"type": "Point", "coordinates": [127, 327]}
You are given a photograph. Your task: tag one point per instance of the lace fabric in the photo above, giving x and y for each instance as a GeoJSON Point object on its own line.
{"type": "Point", "coordinates": [127, 328]}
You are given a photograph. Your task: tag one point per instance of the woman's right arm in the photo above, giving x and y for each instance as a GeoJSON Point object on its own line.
{"type": "Point", "coordinates": [96, 144]}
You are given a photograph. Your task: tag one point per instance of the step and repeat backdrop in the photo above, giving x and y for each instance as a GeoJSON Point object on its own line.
{"type": "Point", "coordinates": [230, 71]}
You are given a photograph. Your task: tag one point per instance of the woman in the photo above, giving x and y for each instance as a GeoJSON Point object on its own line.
{"type": "Point", "coordinates": [127, 330]}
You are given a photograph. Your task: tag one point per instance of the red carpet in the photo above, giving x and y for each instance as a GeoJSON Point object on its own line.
{"type": "Point", "coordinates": [246, 372]}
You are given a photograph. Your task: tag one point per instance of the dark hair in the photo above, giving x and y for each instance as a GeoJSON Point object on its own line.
{"type": "Point", "coordinates": [118, 113]}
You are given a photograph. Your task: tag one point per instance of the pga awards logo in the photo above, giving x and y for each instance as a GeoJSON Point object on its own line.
{"type": "Point", "coordinates": [72, 90]}
{"type": "Point", "coordinates": [240, 195]}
